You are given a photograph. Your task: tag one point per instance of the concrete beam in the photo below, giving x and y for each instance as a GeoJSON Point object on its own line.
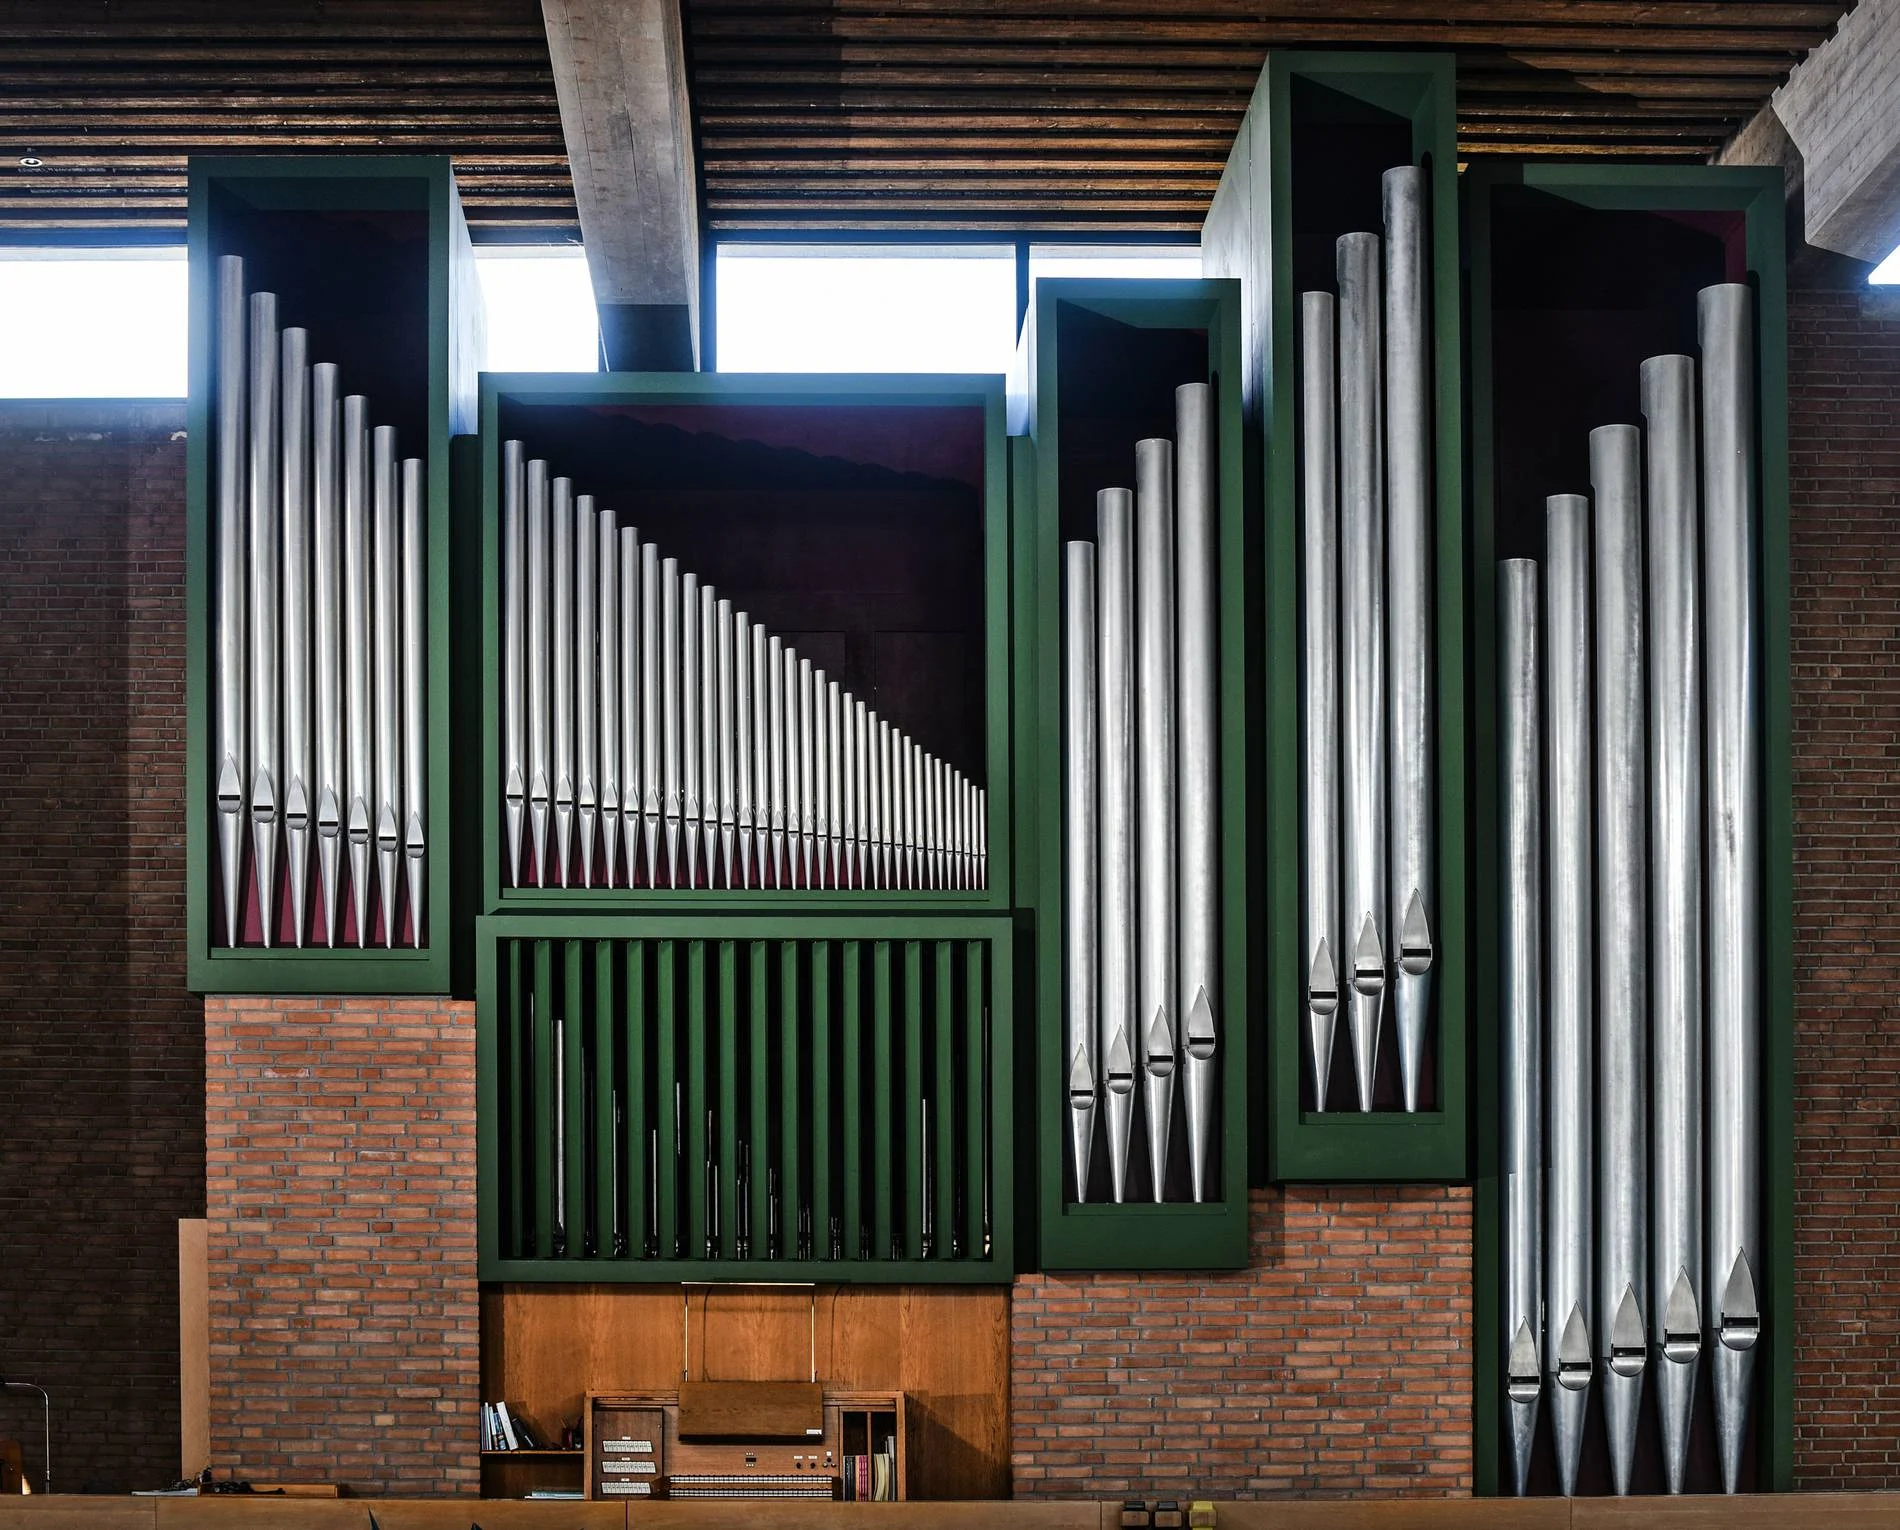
{"type": "Point", "coordinates": [620, 77]}
{"type": "Point", "coordinates": [1835, 127]}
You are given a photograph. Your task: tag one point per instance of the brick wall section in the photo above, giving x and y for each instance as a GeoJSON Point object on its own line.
{"type": "Point", "coordinates": [1845, 470]}
{"type": "Point", "coordinates": [340, 1193]}
{"type": "Point", "coordinates": [101, 1073]}
{"type": "Point", "coordinates": [1338, 1363]}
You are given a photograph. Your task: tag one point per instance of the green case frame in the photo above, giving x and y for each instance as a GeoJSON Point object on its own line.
{"type": "Point", "coordinates": [1250, 233]}
{"type": "Point", "coordinates": [1099, 1235]}
{"type": "Point", "coordinates": [754, 391]}
{"type": "Point", "coordinates": [993, 933]}
{"type": "Point", "coordinates": [326, 188]}
{"type": "Point", "coordinates": [1755, 195]}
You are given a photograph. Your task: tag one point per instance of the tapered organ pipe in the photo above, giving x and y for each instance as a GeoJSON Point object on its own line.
{"type": "Point", "coordinates": [299, 766]}
{"type": "Point", "coordinates": [1520, 733]}
{"type": "Point", "coordinates": [861, 735]}
{"type": "Point", "coordinates": [731, 754]}
{"type": "Point", "coordinates": [1081, 962]}
{"type": "Point", "coordinates": [540, 767]}
{"type": "Point", "coordinates": [703, 716]}
{"type": "Point", "coordinates": [806, 693]}
{"type": "Point", "coordinates": [415, 693]}
{"type": "Point", "coordinates": [633, 697]}
{"type": "Point", "coordinates": [873, 797]}
{"type": "Point", "coordinates": [795, 772]}
{"type": "Point", "coordinates": [561, 543]}
{"type": "Point", "coordinates": [326, 637]}
{"type": "Point", "coordinates": [1362, 649]}
{"type": "Point", "coordinates": [848, 793]}
{"type": "Point", "coordinates": [775, 701]}
{"type": "Point", "coordinates": [1319, 687]}
{"type": "Point", "coordinates": [231, 643]}
{"type": "Point", "coordinates": [820, 773]}
{"type": "Point", "coordinates": [889, 800]}
{"type": "Point", "coordinates": [1409, 615]}
{"type": "Point", "coordinates": [1115, 755]}
{"type": "Point", "coordinates": [1155, 762]}
{"type": "Point", "coordinates": [514, 655]}
{"type": "Point", "coordinates": [360, 779]}
{"type": "Point", "coordinates": [835, 777]}
{"type": "Point", "coordinates": [653, 651]}
{"type": "Point", "coordinates": [761, 757]}
{"type": "Point", "coordinates": [1732, 718]}
{"type": "Point", "coordinates": [1675, 902]}
{"type": "Point", "coordinates": [607, 610]}
{"type": "Point", "coordinates": [1567, 759]}
{"type": "Point", "coordinates": [266, 541]}
{"type": "Point", "coordinates": [744, 746]}
{"type": "Point", "coordinates": [672, 798]}
{"type": "Point", "coordinates": [586, 687]}
{"type": "Point", "coordinates": [1622, 1306]}
{"type": "Point", "coordinates": [386, 580]}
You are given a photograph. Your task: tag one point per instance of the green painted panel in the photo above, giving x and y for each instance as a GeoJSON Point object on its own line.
{"type": "Point", "coordinates": [604, 1096]}
{"type": "Point", "coordinates": [883, 1140]}
{"type": "Point", "coordinates": [541, 1018]}
{"type": "Point", "coordinates": [670, 1099]}
{"type": "Point", "coordinates": [819, 1050]}
{"type": "Point", "coordinates": [852, 1136]}
{"type": "Point", "coordinates": [792, 1085]}
{"type": "Point", "coordinates": [912, 1218]}
{"type": "Point", "coordinates": [642, 1193]}
{"type": "Point", "coordinates": [698, 1151]}
{"type": "Point", "coordinates": [941, 1131]}
{"type": "Point", "coordinates": [730, 1105]}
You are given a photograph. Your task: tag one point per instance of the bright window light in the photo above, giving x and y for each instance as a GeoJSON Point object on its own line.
{"type": "Point", "coordinates": [828, 308]}
{"type": "Point", "coordinates": [1118, 260]}
{"type": "Point", "coordinates": [1887, 273]}
{"type": "Point", "coordinates": [83, 323]}
{"type": "Point", "coordinates": [540, 308]}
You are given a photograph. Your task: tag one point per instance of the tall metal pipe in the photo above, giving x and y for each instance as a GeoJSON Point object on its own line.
{"type": "Point", "coordinates": [653, 655]}
{"type": "Point", "coordinates": [821, 773]}
{"type": "Point", "coordinates": [632, 696]}
{"type": "Point", "coordinates": [266, 540]}
{"type": "Point", "coordinates": [1732, 717]}
{"type": "Point", "coordinates": [873, 798]}
{"type": "Point", "coordinates": [608, 572]}
{"type": "Point", "coordinates": [561, 521]}
{"type": "Point", "coordinates": [415, 692]}
{"type": "Point", "coordinates": [889, 798]}
{"type": "Point", "coordinates": [1675, 903]}
{"type": "Point", "coordinates": [692, 721]}
{"type": "Point", "coordinates": [230, 642]}
{"type": "Point", "coordinates": [1622, 1307]}
{"type": "Point", "coordinates": [1362, 651]}
{"type": "Point", "coordinates": [358, 688]}
{"type": "Point", "coordinates": [727, 729]}
{"type": "Point", "coordinates": [386, 584]}
{"type": "Point", "coordinates": [1409, 613]}
{"type": "Point", "coordinates": [745, 746]}
{"type": "Point", "coordinates": [540, 675]}
{"type": "Point", "coordinates": [514, 655]}
{"type": "Point", "coordinates": [775, 693]}
{"type": "Point", "coordinates": [1155, 764]}
{"type": "Point", "coordinates": [1572, 992]}
{"type": "Point", "coordinates": [835, 737]}
{"type": "Point", "coordinates": [672, 713]}
{"type": "Point", "coordinates": [848, 806]}
{"type": "Point", "coordinates": [299, 762]}
{"type": "Point", "coordinates": [807, 767]}
{"type": "Point", "coordinates": [1197, 536]}
{"type": "Point", "coordinates": [762, 756]}
{"type": "Point", "coordinates": [326, 621]}
{"type": "Point", "coordinates": [1115, 755]}
{"type": "Point", "coordinates": [1521, 990]}
{"type": "Point", "coordinates": [862, 734]}
{"type": "Point", "coordinates": [1080, 953]}
{"type": "Point", "coordinates": [586, 686]}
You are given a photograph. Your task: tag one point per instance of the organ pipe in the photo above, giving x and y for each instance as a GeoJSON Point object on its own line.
{"type": "Point", "coordinates": [1155, 763]}
{"type": "Point", "coordinates": [561, 543]}
{"type": "Point", "coordinates": [608, 574]}
{"type": "Point", "coordinates": [326, 638]}
{"type": "Point", "coordinates": [356, 647]}
{"type": "Point", "coordinates": [1081, 954]}
{"type": "Point", "coordinates": [586, 687]}
{"type": "Point", "coordinates": [386, 587]}
{"type": "Point", "coordinates": [264, 629]}
{"type": "Point", "coordinates": [415, 696]}
{"type": "Point", "coordinates": [514, 655]}
{"type": "Point", "coordinates": [1115, 721]}
{"type": "Point", "coordinates": [230, 572]}
{"type": "Point", "coordinates": [299, 762]}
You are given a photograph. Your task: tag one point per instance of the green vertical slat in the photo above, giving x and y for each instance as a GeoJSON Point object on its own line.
{"type": "Point", "coordinates": [759, 1149]}
{"type": "Point", "coordinates": [884, 1035]}
{"type": "Point", "coordinates": [852, 1043]}
{"type": "Point", "coordinates": [976, 1092]}
{"type": "Point", "coordinates": [820, 1054]}
{"type": "Point", "coordinates": [698, 1148]}
{"type": "Point", "coordinates": [943, 1104]}
{"type": "Point", "coordinates": [666, 1096]}
{"type": "Point", "coordinates": [729, 1102]}
{"type": "Point", "coordinates": [609, 1176]}
{"type": "Point", "coordinates": [638, 1195]}
{"type": "Point", "coordinates": [514, 1089]}
{"type": "Point", "coordinates": [574, 1128]}
{"type": "Point", "coordinates": [792, 1081]}
{"type": "Point", "coordinates": [913, 1098]}
{"type": "Point", "coordinates": [541, 1021]}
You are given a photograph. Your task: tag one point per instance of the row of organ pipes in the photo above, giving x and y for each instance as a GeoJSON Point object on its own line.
{"type": "Point", "coordinates": [1140, 804]}
{"type": "Point", "coordinates": [319, 642]}
{"type": "Point", "coordinates": [1367, 779]}
{"type": "Point", "coordinates": [1628, 834]}
{"type": "Point", "coordinates": [655, 736]}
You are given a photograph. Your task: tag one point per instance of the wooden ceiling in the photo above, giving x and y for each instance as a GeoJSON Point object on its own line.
{"type": "Point", "coordinates": [1019, 116]}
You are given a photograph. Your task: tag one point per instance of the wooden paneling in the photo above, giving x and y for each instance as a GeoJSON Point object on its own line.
{"type": "Point", "coordinates": [194, 1350]}
{"type": "Point", "coordinates": [947, 1349]}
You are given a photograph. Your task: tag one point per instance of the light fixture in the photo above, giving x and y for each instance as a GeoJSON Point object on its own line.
{"type": "Point", "coordinates": [46, 1408]}
{"type": "Point", "coordinates": [31, 162]}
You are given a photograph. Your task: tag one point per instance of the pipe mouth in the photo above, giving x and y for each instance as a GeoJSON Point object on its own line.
{"type": "Point", "coordinates": [1081, 1099]}
{"type": "Point", "coordinates": [1628, 1362]}
{"type": "Point", "coordinates": [1574, 1374]}
{"type": "Point", "coordinates": [1739, 1333]}
{"type": "Point", "coordinates": [1200, 1048]}
{"type": "Point", "coordinates": [1323, 1002]}
{"type": "Point", "coordinates": [1681, 1348]}
{"type": "Point", "coordinates": [1523, 1389]}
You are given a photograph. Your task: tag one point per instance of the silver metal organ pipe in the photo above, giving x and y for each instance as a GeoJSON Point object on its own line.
{"type": "Point", "coordinates": [807, 744]}
{"type": "Point", "coordinates": [731, 752]}
{"type": "Point", "coordinates": [1521, 989]}
{"type": "Point", "coordinates": [1115, 755]}
{"type": "Point", "coordinates": [652, 664]}
{"type": "Point", "coordinates": [633, 695]}
{"type": "Point", "coordinates": [299, 765]}
{"type": "Point", "coordinates": [326, 613]}
{"type": "Point", "coordinates": [762, 755]}
{"type": "Point", "coordinates": [1732, 714]}
{"type": "Point", "coordinates": [821, 773]}
{"type": "Point", "coordinates": [1675, 903]}
{"type": "Point", "coordinates": [514, 655]}
{"type": "Point", "coordinates": [386, 581]}
{"type": "Point", "coordinates": [848, 805]}
{"type": "Point", "coordinates": [834, 778]}
{"type": "Point", "coordinates": [561, 520]}
{"type": "Point", "coordinates": [1622, 1305]}
{"type": "Point", "coordinates": [704, 715]}
{"type": "Point", "coordinates": [360, 779]}
{"type": "Point", "coordinates": [671, 713]}
{"type": "Point", "coordinates": [745, 747]}
{"type": "Point", "coordinates": [586, 686]}
{"type": "Point", "coordinates": [1080, 962]}
{"type": "Point", "coordinates": [230, 642]}
{"type": "Point", "coordinates": [775, 692]}
{"type": "Point", "coordinates": [1409, 615]}
{"type": "Point", "coordinates": [265, 568]}
{"type": "Point", "coordinates": [540, 767]}
{"type": "Point", "coordinates": [415, 692]}
{"type": "Point", "coordinates": [862, 733]}
{"type": "Point", "coordinates": [1567, 756]}
{"type": "Point", "coordinates": [874, 799]}
{"type": "Point", "coordinates": [1362, 651]}
{"type": "Point", "coordinates": [893, 803]}
{"type": "Point", "coordinates": [608, 570]}
{"type": "Point", "coordinates": [907, 756]}
{"type": "Point", "coordinates": [1197, 774]}
{"type": "Point", "coordinates": [940, 820]}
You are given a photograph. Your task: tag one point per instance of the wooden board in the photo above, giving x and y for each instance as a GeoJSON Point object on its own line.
{"type": "Point", "coordinates": [756, 1410]}
{"type": "Point", "coordinates": [194, 1350]}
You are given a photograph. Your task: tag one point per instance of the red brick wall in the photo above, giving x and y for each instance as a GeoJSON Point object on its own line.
{"type": "Point", "coordinates": [340, 1194]}
{"type": "Point", "coordinates": [1338, 1363]}
{"type": "Point", "coordinates": [1845, 470]}
{"type": "Point", "coordinates": [101, 1073]}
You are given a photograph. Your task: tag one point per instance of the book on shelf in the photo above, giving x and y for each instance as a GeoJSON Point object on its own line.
{"type": "Point", "coordinates": [872, 1478]}
{"type": "Point", "coordinates": [503, 1429]}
